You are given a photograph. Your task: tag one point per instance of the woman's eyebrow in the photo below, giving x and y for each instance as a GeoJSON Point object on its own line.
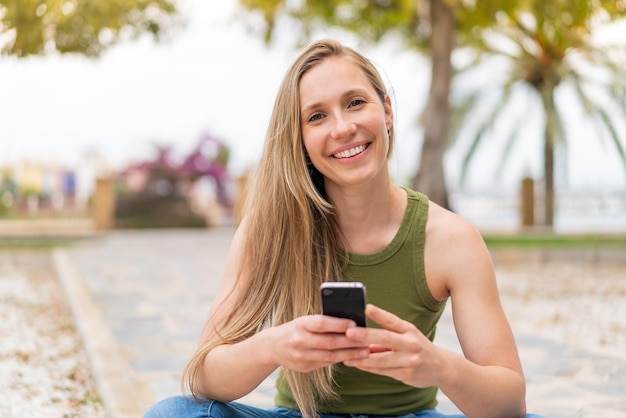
{"type": "Point", "coordinates": [354, 91]}
{"type": "Point", "coordinates": [311, 107]}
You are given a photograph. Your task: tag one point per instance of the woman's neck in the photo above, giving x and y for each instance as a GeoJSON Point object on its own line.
{"type": "Point", "coordinates": [369, 218]}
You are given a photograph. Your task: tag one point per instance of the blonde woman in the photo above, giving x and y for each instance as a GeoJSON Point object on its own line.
{"type": "Point", "coordinates": [323, 208]}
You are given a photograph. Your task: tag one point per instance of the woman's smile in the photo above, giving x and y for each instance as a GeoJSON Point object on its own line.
{"type": "Point", "coordinates": [351, 152]}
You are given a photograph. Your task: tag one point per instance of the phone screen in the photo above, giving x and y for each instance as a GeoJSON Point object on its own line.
{"type": "Point", "coordinates": [344, 300]}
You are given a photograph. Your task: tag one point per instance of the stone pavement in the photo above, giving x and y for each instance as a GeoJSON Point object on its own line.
{"type": "Point", "coordinates": [140, 299]}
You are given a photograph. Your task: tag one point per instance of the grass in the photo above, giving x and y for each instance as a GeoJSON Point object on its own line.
{"type": "Point", "coordinates": [538, 240]}
{"type": "Point", "coordinates": [37, 242]}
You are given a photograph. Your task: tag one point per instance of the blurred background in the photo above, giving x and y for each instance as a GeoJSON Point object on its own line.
{"type": "Point", "coordinates": [169, 101]}
{"type": "Point", "coordinates": [137, 123]}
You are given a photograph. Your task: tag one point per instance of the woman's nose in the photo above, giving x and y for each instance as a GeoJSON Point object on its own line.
{"type": "Point", "coordinates": [343, 127]}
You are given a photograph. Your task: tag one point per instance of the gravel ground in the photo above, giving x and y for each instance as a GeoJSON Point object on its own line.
{"type": "Point", "coordinates": [44, 370]}
{"type": "Point", "coordinates": [576, 303]}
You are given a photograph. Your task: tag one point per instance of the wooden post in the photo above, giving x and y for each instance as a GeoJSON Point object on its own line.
{"type": "Point", "coordinates": [527, 206]}
{"type": "Point", "coordinates": [103, 203]}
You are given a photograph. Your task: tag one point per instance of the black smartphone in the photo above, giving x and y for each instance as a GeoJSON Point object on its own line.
{"type": "Point", "coordinates": [344, 300]}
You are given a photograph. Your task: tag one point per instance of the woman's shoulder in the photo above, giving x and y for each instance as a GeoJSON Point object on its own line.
{"type": "Point", "coordinates": [454, 250]}
{"type": "Point", "coordinates": [443, 223]}
{"type": "Point", "coordinates": [453, 236]}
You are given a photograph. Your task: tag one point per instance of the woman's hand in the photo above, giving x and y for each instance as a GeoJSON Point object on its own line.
{"type": "Point", "coordinates": [399, 350]}
{"type": "Point", "coordinates": [310, 342]}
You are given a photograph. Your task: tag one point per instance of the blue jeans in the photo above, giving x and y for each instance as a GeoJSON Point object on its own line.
{"type": "Point", "coordinates": [180, 406]}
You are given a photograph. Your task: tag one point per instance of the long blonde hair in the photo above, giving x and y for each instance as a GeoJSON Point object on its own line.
{"type": "Point", "coordinates": [293, 242]}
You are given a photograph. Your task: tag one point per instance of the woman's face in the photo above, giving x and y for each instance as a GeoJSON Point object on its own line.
{"type": "Point", "coordinates": [344, 123]}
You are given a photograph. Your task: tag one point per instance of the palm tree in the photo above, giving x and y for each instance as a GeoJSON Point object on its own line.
{"type": "Point", "coordinates": [547, 51]}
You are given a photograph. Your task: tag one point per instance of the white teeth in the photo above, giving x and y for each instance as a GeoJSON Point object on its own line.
{"type": "Point", "coordinates": [350, 152]}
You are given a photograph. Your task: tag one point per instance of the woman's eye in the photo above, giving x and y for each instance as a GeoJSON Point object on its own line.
{"type": "Point", "coordinates": [356, 102]}
{"type": "Point", "coordinates": [315, 117]}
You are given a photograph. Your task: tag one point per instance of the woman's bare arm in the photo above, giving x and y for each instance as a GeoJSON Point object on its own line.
{"type": "Point", "coordinates": [488, 380]}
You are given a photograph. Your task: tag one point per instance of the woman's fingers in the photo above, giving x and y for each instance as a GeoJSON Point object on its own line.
{"type": "Point", "coordinates": [393, 336]}
{"type": "Point", "coordinates": [315, 341]}
{"type": "Point", "coordinates": [387, 320]}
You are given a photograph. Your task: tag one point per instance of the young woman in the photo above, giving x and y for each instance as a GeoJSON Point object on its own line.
{"type": "Point", "coordinates": [323, 208]}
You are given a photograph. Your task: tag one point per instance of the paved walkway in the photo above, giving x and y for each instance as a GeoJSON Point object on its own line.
{"type": "Point", "coordinates": [140, 299]}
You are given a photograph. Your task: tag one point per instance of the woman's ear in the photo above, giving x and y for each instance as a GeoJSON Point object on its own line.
{"type": "Point", "coordinates": [388, 112]}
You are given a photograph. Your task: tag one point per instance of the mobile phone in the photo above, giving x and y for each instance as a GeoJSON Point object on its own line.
{"type": "Point", "coordinates": [344, 300]}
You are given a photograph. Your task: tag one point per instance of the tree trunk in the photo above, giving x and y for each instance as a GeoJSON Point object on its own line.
{"type": "Point", "coordinates": [430, 177]}
{"type": "Point", "coordinates": [548, 170]}
{"type": "Point", "coordinates": [547, 96]}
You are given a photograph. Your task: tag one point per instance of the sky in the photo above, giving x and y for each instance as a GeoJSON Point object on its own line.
{"type": "Point", "coordinates": [214, 76]}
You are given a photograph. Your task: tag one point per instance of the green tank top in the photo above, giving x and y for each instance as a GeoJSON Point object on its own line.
{"type": "Point", "coordinates": [395, 281]}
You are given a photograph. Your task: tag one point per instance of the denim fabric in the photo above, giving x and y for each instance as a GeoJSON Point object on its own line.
{"type": "Point", "coordinates": [182, 407]}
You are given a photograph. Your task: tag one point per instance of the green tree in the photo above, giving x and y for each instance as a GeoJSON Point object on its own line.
{"type": "Point", "coordinates": [549, 48]}
{"type": "Point", "coordinates": [35, 27]}
{"type": "Point", "coordinates": [426, 26]}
